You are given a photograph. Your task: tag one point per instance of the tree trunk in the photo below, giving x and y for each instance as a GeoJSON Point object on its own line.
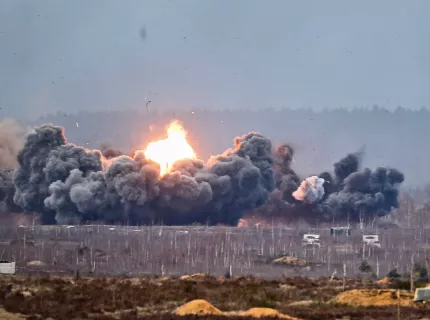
{"type": "Point", "coordinates": [426, 258]}
{"type": "Point", "coordinates": [412, 273]}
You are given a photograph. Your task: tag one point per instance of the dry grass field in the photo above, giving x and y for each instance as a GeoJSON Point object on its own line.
{"type": "Point", "coordinates": [125, 273]}
{"type": "Point", "coordinates": [159, 297]}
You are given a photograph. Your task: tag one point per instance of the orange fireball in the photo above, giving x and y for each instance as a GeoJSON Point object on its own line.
{"type": "Point", "coordinates": [166, 152]}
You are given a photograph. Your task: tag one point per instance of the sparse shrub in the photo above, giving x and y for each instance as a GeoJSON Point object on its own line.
{"type": "Point", "coordinates": [393, 274]}
{"type": "Point", "coordinates": [365, 267]}
{"type": "Point", "coordinates": [397, 283]}
{"type": "Point", "coordinates": [420, 273]}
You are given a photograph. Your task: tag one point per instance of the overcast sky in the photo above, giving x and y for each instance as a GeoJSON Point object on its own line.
{"type": "Point", "coordinates": [89, 55]}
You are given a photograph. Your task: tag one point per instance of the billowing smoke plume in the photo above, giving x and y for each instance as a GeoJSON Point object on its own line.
{"type": "Point", "coordinates": [73, 184]}
{"type": "Point", "coordinates": [109, 152]}
{"type": "Point", "coordinates": [7, 190]}
{"type": "Point", "coordinates": [12, 137]}
{"type": "Point", "coordinates": [310, 190]}
{"type": "Point", "coordinates": [68, 184]}
{"type": "Point", "coordinates": [347, 166]}
{"type": "Point", "coordinates": [366, 194]}
{"type": "Point", "coordinates": [350, 194]}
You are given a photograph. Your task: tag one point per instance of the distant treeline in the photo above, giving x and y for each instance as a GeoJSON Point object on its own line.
{"type": "Point", "coordinates": [390, 138]}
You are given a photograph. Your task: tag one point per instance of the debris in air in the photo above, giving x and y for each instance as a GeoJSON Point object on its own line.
{"type": "Point", "coordinates": [142, 33]}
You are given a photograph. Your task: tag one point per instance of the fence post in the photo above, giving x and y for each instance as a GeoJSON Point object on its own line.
{"type": "Point", "coordinates": [426, 258]}
{"type": "Point", "coordinates": [412, 273]}
{"type": "Point", "coordinates": [398, 304]}
{"type": "Point", "coordinates": [344, 276]}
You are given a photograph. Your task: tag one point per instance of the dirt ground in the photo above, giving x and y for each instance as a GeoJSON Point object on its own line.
{"type": "Point", "coordinates": [158, 298]}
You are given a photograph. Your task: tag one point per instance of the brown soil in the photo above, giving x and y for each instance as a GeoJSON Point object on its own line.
{"type": "Point", "coordinates": [265, 313]}
{"type": "Point", "coordinates": [58, 298]}
{"type": "Point", "coordinates": [367, 298]}
{"type": "Point", "coordinates": [4, 315]}
{"type": "Point", "coordinates": [195, 277]}
{"type": "Point", "coordinates": [291, 261]}
{"type": "Point", "coordinates": [384, 281]}
{"type": "Point", "coordinates": [198, 307]}
{"type": "Point", "coordinates": [202, 307]}
{"type": "Point", "coordinates": [36, 263]}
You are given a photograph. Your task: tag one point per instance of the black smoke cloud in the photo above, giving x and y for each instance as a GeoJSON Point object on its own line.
{"type": "Point", "coordinates": [109, 152]}
{"type": "Point", "coordinates": [349, 194]}
{"type": "Point", "coordinates": [66, 183]}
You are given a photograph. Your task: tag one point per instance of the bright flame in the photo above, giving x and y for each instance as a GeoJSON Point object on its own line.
{"type": "Point", "coordinates": [166, 152]}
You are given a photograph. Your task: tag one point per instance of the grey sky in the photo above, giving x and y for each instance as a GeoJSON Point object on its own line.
{"type": "Point", "coordinates": [87, 55]}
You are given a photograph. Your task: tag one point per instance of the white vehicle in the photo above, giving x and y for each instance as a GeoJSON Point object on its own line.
{"type": "Point", "coordinates": [422, 295]}
{"type": "Point", "coordinates": [372, 240]}
{"type": "Point", "coordinates": [311, 240]}
{"type": "Point", "coordinates": [7, 267]}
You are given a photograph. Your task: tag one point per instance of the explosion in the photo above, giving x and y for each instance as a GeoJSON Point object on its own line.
{"type": "Point", "coordinates": [311, 190]}
{"type": "Point", "coordinates": [168, 151]}
{"type": "Point", "coordinates": [67, 183]}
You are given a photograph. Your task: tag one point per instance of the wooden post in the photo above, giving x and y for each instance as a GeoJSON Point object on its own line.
{"type": "Point", "coordinates": [398, 304]}
{"type": "Point", "coordinates": [344, 276]}
{"type": "Point", "coordinates": [377, 267]}
{"type": "Point", "coordinates": [412, 273]}
{"type": "Point", "coordinates": [426, 257]}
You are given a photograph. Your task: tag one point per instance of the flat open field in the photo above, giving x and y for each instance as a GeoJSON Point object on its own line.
{"type": "Point", "coordinates": [176, 251]}
{"type": "Point", "coordinates": [157, 298]}
{"type": "Point", "coordinates": [133, 272]}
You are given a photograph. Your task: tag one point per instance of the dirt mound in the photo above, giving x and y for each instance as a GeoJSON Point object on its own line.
{"type": "Point", "coordinates": [4, 315]}
{"type": "Point", "coordinates": [291, 261]}
{"type": "Point", "coordinates": [287, 287]}
{"type": "Point", "coordinates": [303, 303]}
{"type": "Point", "coordinates": [196, 276]}
{"type": "Point", "coordinates": [36, 263]}
{"type": "Point", "coordinates": [202, 307]}
{"type": "Point", "coordinates": [198, 307]}
{"type": "Point", "coordinates": [371, 298]}
{"type": "Point", "coordinates": [384, 281]}
{"type": "Point", "coordinates": [264, 312]}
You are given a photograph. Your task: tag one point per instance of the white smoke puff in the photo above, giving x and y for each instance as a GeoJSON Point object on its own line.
{"type": "Point", "coordinates": [310, 190]}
